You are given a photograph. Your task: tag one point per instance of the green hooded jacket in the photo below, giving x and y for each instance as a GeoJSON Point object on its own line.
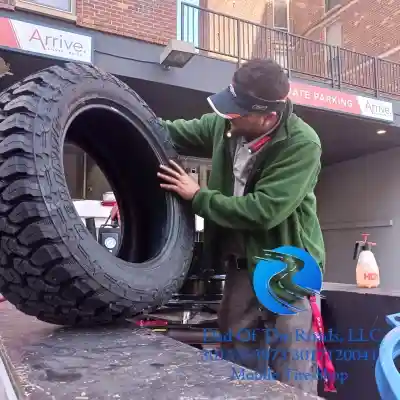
{"type": "Point", "coordinates": [279, 205]}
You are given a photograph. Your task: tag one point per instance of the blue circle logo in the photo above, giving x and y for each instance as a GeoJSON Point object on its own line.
{"type": "Point", "coordinates": [291, 269]}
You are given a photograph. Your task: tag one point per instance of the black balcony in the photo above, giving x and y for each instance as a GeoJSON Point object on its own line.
{"type": "Point", "coordinates": [219, 35]}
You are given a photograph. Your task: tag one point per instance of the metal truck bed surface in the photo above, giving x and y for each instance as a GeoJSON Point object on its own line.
{"type": "Point", "coordinates": [46, 362]}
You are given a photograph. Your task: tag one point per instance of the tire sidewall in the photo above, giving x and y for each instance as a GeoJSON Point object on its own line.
{"type": "Point", "coordinates": [49, 134]}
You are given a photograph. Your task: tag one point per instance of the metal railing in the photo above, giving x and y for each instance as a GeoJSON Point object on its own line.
{"type": "Point", "coordinates": [219, 35]}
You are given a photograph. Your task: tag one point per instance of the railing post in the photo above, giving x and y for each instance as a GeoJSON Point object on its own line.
{"type": "Point", "coordinates": [239, 44]}
{"type": "Point", "coordinates": [331, 64]}
{"type": "Point", "coordinates": [376, 77]}
{"type": "Point", "coordinates": [339, 67]}
{"type": "Point", "coordinates": [182, 21]}
{"type": "Point", "coordinates": [287, 53]}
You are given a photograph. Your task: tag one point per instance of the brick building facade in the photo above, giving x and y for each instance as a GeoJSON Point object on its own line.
{"type": "Point", "coordinates": [363, 26]}
{"type": "Point", "coordinates": [357, 30]}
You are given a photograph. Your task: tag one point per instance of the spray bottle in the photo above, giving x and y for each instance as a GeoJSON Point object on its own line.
{"type": "Point", "coordinates": [367, 271]}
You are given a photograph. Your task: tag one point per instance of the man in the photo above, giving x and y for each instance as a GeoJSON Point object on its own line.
{"type": "Point", "coordinates": [260, 195]}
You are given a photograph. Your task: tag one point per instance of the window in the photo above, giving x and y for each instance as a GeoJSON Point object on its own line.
{"type": "Point", "coordinates": [329, 4]}
{"type": "Point", "coordinates": [58, 8]}
{"type": "Point", "coordinates": [333, 35]}
{"type": "Point", "coordinates": [281, 14]}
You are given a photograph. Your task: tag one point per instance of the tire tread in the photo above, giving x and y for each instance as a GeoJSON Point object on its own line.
{"type": "Point", "coordinates": [38, 272]}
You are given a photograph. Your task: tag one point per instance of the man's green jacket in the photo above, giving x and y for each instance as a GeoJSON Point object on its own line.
{"type": "Point", "coordinates": [279, 206]}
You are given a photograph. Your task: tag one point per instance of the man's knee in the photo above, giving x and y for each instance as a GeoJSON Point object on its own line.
{"type": "Point", "coordinates": [232, 317]}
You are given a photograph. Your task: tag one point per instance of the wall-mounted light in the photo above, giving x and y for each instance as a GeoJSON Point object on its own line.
{"type": "Point", "coordinates": [381, 132]}
{"type": "Point", "coordinates": [177, 54]}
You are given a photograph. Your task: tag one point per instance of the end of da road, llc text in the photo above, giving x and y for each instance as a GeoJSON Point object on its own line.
{"type": "Point", "coordinates": [351, 335]}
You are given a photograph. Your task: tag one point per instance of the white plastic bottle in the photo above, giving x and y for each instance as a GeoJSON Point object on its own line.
{"type": "Point", "coordinates": [367, 270]}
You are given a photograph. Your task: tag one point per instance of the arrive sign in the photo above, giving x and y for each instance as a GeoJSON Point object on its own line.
{"type": "Point", "coordinates": [314, 96]}
{"type": "Point", "coordinates": [43, 40]}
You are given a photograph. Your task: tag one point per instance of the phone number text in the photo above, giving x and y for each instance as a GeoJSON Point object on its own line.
{"type": "Point", "coordinates": [290, 354]}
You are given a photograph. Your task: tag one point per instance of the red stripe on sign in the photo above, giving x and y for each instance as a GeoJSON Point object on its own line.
{"type": "Point", "coordinates": [8, 37]}
{"type": "Point", "coordinates": [314, 96]}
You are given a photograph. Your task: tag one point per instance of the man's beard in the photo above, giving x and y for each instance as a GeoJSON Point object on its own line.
{"type": "Point", "coordinates": [254, 133]}
{"type": "Point", "coordinates": [238, 131]}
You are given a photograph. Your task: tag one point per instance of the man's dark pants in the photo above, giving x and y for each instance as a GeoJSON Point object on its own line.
{"type": "Point", "coordinates": [281, 343]}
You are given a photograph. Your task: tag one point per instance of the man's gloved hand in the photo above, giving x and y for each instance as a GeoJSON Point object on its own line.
{"type": "Point", "coordinates": [178, 181]}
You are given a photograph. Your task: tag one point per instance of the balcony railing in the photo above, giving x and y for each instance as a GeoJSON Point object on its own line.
{"type": "Point", "coordinates": [219, 35]}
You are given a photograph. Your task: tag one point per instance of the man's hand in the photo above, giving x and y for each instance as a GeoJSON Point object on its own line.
{"type": "Point", "coordinates": [178, 181]}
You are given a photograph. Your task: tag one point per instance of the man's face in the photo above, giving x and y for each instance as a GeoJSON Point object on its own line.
{"type": "Point", "coordinates": [253, 125]}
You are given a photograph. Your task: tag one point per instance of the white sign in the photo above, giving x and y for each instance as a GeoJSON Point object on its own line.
{"type": "Point", "coordinates": [376, 108]}
{"type": "Point", "coordinates": [43, 40]}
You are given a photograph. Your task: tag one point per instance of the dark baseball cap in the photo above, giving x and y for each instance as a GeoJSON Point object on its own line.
{"type": "Point", "coordinates": [233, 102]}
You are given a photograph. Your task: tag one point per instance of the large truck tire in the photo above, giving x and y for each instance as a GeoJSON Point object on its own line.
{"type": "Point", "coordinates": [51, 267]}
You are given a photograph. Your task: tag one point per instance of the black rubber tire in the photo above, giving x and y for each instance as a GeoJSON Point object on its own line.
{"type": "Point", "coordinates": [50, 265]}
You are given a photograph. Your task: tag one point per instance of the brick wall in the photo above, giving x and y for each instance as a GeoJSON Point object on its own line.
{"type": "Point", "coordinates": [369, 29]}
{"type": "Point", "coordinates": [371, 26]}
{"type": "Point", "coordinates": [305, 13]}
{"type": "Point", "coordinates": [368, 26]}
{"type": "Point", "coordinates": [150, 20]}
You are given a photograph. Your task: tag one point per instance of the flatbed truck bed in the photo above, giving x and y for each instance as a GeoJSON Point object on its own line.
{"type": "Point", "coordinates": [47, 362]}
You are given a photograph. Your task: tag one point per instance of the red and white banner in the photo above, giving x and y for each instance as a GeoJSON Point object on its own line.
{"type": "Point", "coordinates": [314, 96]}
{"type": "Point", "coordinates": [43, 40]}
